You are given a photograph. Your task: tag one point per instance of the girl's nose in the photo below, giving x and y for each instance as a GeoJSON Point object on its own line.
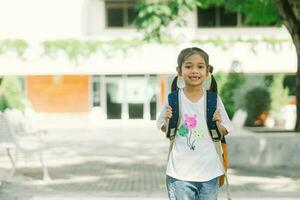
{"type": "Point", "coordinates": [194, 71]}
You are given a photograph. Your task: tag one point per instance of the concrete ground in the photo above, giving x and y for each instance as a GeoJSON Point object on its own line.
{"type": "Point", "coordinates": [120, 161]}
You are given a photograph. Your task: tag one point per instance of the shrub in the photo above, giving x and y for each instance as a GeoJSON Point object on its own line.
{"type": "Point", "coordinates": [227, 90]}
{"type": "Point", "coordinates": [279, 95]}
{"type": "Point", "coordinates": [257, 103]}
{"type": "Point", "coordinates": [10, 94]}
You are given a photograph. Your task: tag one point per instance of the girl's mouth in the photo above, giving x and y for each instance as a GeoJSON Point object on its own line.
{"type": "Point", "coordinates": [194, 78]}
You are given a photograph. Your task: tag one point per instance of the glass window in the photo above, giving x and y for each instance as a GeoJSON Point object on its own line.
{"type": "Point", "coordinates": [114, 96]}
{"type": "Point", "coordinates": [227, 18]}
{"type": "Point", "coordinates": [96, 91]}
{"type": "Point", "coordinates": [22, 84]}
{"type": "Point", "coordinates": [136, 95]}
{"type": "Point", "coordinates": [206, 17]}
{"type": "Point", "coordinates": [154, 92]}
{"type": "Point", "coordinates": [115, 17]}
{"type": "Point", "coordinates": [120, 13]}
{"type": "Point", "coordinates": [132, 14]}
{"type": "Point", "coordinates": [216, 16]}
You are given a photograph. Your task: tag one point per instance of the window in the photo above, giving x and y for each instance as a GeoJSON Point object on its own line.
{"type": "Point", "coordinates": [227, 18]}
{"type": "Point", "coordinates": [219, 17]}
{"type": "Point", "coordinates": [96, 91]}
{"type": "Point", "coordinates": [207, 17]}
{"type": "Point", "coordinates": [120, 13]}
{"type": "Point", "coordinates": [22, 81]}
{"type": "Point", "coordinates": [216, 16]}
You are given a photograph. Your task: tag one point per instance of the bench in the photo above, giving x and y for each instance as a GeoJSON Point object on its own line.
{"type": "Point", "coordinates": [15, 138]}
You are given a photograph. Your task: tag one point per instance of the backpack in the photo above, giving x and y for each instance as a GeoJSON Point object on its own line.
{"type": "Point", "coordinates": [217, 137]}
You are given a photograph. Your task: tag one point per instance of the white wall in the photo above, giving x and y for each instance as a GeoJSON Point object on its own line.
{"type": "Point", "coordinates": [93, 17]}
{"type": "Point", "coordinates": [40, 18]}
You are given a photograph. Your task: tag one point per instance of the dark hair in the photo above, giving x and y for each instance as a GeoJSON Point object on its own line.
{"type": "Point", "coordinates": [174, 84]}
{"type": "Point", "coordinates": [213, 84]}
{"type": "Point", "coordinates": [183, 55]}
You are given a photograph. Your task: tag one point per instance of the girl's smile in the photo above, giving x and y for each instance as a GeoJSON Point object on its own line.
{"type": "Point", "coordinates": [193, 70]}
{"type": "Point", "coordinates": [194, 77]}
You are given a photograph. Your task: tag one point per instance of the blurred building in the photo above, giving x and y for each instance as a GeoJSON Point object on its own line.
{"type": "Point", "coordinates": [132, 84]}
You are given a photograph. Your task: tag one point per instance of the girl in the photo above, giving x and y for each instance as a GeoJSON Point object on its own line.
{"type": "Point", "coordinates": [193, 165]}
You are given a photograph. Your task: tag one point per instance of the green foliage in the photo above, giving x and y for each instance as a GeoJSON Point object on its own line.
{"type": "Point", "coordinates": [77, 49]}
{"type": "Point", "coordinates": [154, 17]}
{"type": "Point", "coordinates": [208, 3]}
{"type": "Point", "coordinates": [289, 83]}
{"type": "Point", "coordinates": [227, 43]}
{"type": "Point", "coordinates": [72, 48]}
{"type": "Point", "coordinates": [279, 95]}
{"type": "Point", "coordinates": [268, 80]}
{"type": "Point", "coordinates": [221, 78]}
{"type": "Point", "coordinates": [17, 46]}
{"type": "Point", "coordinates": [108, 48]}
{"type": "Point", "coordinates": [227, 90]}
{"type": "Point", "coordinates": [255, 12]}
{"type": "Point", "coordinates": [10, 94]}
{"type": "Point", "coordinates": [257, 101]}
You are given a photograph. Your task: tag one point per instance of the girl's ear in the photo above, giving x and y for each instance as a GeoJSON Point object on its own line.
{"type": "Point", "coordinates": [178, 69]}
{"type": "Point", "coordinates": [207, 72]}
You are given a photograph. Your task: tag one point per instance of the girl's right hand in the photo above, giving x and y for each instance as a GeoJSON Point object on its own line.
{"type": "Point", "coordinates": [168, 113]}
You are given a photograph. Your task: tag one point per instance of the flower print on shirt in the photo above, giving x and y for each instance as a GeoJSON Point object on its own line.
{"type": "Point", "coordinates": [190, 122]}
{"type": "Point", "coordinates": [192, 130]}
{"type": "Point", "coordinates": [185, 130]}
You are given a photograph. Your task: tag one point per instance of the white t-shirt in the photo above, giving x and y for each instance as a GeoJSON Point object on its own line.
{"type": "Point", "coordinates": [193, 156]}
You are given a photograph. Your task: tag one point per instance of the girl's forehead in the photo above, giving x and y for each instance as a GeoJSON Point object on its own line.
{"type": "Point", "coordinates": [195, 58]}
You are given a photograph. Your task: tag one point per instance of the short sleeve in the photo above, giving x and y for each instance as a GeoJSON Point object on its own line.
{"type": "Point", "coordinates": [225, 121]}
{"type": "Point", "coordinates": [161, 118]}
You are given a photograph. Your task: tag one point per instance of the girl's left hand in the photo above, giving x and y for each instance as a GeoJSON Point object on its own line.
{"type": "Point", "coordinates": [217, 116]}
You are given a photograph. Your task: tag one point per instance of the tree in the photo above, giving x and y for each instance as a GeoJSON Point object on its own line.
{"type": "Point", "coordinates": [233, 81]}
{"type": "Point", "coordinates": [155, 16]}
{"type": "Point", "coordinates": [10, 94]}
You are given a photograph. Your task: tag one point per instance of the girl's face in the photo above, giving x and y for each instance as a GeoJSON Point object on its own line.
{"type": "Point", "coordinates": [193, 70]}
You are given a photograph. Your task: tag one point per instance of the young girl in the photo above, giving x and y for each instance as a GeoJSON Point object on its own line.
{"type": "Point", "coordinates": [193, 165]}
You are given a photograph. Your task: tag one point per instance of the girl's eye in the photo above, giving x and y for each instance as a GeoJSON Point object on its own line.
{"type": "Point", "coordinates": [200, 66]}
{"type": "Point", "coordinates": [187, 66]}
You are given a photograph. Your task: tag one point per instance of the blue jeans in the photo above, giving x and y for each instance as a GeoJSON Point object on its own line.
{"type": "Point", "coordinates": [187, 190]}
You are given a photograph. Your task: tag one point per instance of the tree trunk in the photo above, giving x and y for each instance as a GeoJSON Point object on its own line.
{"type": "Point", "coordinates": [297, 127]}
{"type": "Point", "coordinates": [290, 13]}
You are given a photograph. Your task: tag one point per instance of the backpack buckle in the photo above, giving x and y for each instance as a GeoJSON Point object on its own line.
{"type": "Point", "coordinates": [214, 134]}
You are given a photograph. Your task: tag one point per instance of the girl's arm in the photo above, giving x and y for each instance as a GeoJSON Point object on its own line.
{"type": "Point", "coordinates": [224, 124]}
{"type": "Point", "coordinates": [221, 128]}
{"type": "Point", "coordinates": [218, 118]}
{"type": "Point", "coordinates": [165, 114]}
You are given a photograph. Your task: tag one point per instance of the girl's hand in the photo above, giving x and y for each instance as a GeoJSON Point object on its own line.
{"type": "Point", "coordinates": [217, 116]}
{"type": "Point", "coordinates": [168, 113]}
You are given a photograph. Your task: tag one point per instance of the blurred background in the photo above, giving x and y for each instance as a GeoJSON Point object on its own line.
{"type": "Point", "coordinates": [53, 52]}
{"type": "Point", "coordinates": [95, 73]}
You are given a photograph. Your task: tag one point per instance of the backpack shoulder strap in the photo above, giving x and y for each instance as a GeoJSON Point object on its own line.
{"type": "Point", "coordinates": [173, 100]}
{"type": "Point", "coordinates": [211, 106]}
{"type": "Point", "coordinates": [218, 139]}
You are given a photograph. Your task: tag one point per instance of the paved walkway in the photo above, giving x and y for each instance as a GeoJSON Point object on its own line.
{"type": "Point", "coordinates": [123, 161]}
